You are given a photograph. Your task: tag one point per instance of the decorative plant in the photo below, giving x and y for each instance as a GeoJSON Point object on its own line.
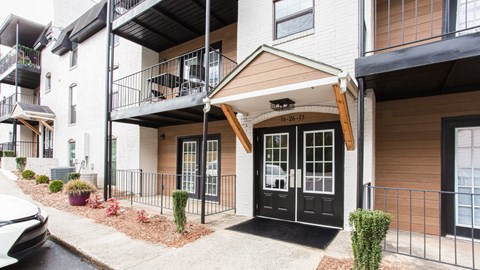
{"type": "Point", "coordinates": [8, 153]}
{"type": "Point", "coordinates": [42, 179]}
{"type": "Point", "coordinates": [28, 174]}
{"type": "Point", "coordinates": [369, 229]}
{"type": "Point", "coordinates": [55, 186]}
{"type": "Point", "coordinates": [78, 186]}
{"type": "Point", "coordinates": [180, 198]}
{"type": "Point", "coordinates": [21, 163]}
{"type": "Point", "coordinates": [73, 176]}
{"type": "Point", "coordinates": [113, 207]}
{"type": "Point", "coordinates": [142, 216]}
{"type": "Point", "coordinates": [95, 202]}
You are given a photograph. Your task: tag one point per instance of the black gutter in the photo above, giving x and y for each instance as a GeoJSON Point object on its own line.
{"type": "Point", "coordinates": [106, 170]}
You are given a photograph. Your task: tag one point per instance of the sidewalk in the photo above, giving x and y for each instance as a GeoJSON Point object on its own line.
{"type": "Point", "coordinates": [222, 249]}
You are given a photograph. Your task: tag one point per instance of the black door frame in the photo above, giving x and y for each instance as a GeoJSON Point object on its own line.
{"type": "Point", "coordinates": [198, 140]}
{"type": "Point", "coordinates": [449, 124]}
{"type": "Point", "coordinates": [257, 160]}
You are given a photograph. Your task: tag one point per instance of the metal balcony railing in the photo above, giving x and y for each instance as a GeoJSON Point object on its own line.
{"type": "Point", "coordinates": [122, 6]}
{"type": "Point", "coordinates": [177, 77]}
{"type": "Point", "coordinates": [401, 23]}
{"type": "Point", "coordinates": [8, 103]}
{"type": "Point", "coordinates": [418, 223]}
{"type": "Point", "coordinates": [26, 56]}
{"type": "Point", "coordinates": [19, 149]}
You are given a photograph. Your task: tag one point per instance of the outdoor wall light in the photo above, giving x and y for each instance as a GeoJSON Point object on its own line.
{"type": "Point", "coordinates": [283, 104]}
{"type": "Point", "coordinates": [162, 136]}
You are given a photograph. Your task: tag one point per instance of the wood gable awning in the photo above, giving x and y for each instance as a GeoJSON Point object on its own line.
{"type": "Point", "coordinates": [270, 74]}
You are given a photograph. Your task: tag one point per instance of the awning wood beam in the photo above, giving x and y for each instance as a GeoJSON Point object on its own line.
{"type": "Point", "coordinates": [29, 126]}
{"type": "Point", "coordinates": [237, 128]}
{"type": "Point", "coordinates": [342, 106]}
{"type": "Point", "coordinates": [45, 124]}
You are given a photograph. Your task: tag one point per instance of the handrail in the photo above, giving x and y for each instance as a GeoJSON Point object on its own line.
{"type": "Point", "coordinates": [26, 56]}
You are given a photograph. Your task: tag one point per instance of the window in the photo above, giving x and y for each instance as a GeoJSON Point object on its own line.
{"type": "Point", "coordinates": [71, 152]}
{"type": "Point", "coordinates": [292, 16]}
{"type": "Point", "coordinates": [275, 162]}
{"type": "Point", "coordinates": [74, 55]}
{"type": "Point", "coordinates": [48, 82]}
{"type": "Point", "coordinates": [319, 153]}
{"type": "Point", "coordinates": [72, 112]}
{"type": "Point", "coordinates": [468, 16]}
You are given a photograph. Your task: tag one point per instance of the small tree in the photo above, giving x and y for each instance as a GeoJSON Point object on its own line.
{"type": "Point", "coordinates": [180, 198]}
{"type": "Point", "coordinates": [21, 163]}
{"type": "Point", "coordinates": [369, 229]}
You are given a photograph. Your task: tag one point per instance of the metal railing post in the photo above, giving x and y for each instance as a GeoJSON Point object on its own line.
{"type": "Point", "coordinates": [131, 188]}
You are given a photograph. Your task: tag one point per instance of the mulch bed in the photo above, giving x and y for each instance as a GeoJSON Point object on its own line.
{"type": "Point", "coordinates": [159, 229]}
{"type": "Point", "coordinates": [330, 263]}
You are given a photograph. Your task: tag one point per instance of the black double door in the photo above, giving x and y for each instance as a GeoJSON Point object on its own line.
{"type": "Point", "coordinates": [299, 173]}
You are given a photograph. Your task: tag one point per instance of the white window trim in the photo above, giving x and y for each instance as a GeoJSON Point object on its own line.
{"type": "Point", "coordinates": [70, 98]}
{"type": "Point", "coordinates": [71, 58]}
{"type": "Point", "coordinates": [48, 81]}
{"type": "Point", "coordinates": [265, 161]}
{"type": "Point", "coordinates": [285, 38]}
{"type": "Point", "coordinates": [305, 164]}
{"type": "Point", "coordinates": [216, 176]}
{"type": "Point", "coordinates": [183, 167]}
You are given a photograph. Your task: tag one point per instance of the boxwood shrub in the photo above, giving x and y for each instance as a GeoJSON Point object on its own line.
{"type": "Point", "coordinates": [180, 198]}
{"type": "Point", "coordinates": [55, 186]}
{"type": "Point", "coordinates": [28, 174]}
{"type": "Point", "coordinates": [42, 179]}
{"type": "Point", "coordinates": [73, 176]}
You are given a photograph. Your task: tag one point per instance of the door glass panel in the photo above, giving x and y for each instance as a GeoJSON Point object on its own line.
{"type": "Point", "coordinates": [318, 161]}
{"type": "Point", "coordinates": [189, 166]}
{"type": "Point", "coordinates": [212, 168]}
{"type": "Point", "coordinates": [276, 162]}
{"type": "Point", "coordinates": [467, 174]}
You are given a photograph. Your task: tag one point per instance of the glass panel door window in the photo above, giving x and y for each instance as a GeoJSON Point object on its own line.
{"type": "Point", "coordinates": [212, 168]}
{"type": "Point", "coordinates": [275, 162]}
{"type": "Point", "coordinates": [467, 171]}
{"type": "Point", "coordinates": [189, 166]}
{"type": "Point", "coordinates": [214, 69]}
{"type": "Point", "coordinates": [468, 16]}
{"type": "Point", "coordinates": [319, 164]}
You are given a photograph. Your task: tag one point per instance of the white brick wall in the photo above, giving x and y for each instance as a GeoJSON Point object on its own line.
{"type": "Point", "coordinates": [38, 165]}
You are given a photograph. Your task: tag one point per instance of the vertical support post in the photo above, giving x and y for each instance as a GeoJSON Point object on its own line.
{"type": "Point", "coordinates": [14, 132]}
{"type": "Point", "coordinates": [361, 29]}
{"type": "Point", "coordinates": [107, 153]}
{"type": "Point", "coordinates": [360, 141]}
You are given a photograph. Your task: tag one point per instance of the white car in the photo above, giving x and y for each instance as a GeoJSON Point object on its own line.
{"type": "Point", "coordinates": [23, 229]}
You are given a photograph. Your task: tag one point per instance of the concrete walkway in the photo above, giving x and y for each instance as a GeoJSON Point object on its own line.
{"type": "Point", "coordinates": [223, 249]}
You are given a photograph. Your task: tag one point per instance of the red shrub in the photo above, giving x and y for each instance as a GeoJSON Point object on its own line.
{"type": "Point", "coordinates": [142, 216]}
{"type": "Point", "coordinates": [113, 207]}
{"type": "Point", "coordinates": [95, 202]}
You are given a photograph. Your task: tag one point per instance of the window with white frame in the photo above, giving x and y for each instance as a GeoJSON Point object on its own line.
{"type": "Point", "coordinates": [275, 162]}
{"type": "Point", "coordinates": [468, 16]}
{"type": "Point", "coordinates": [72, 110]}
{"type": "Point", "coordinates": [71, 153]}
{"type": "Point", "coordinates": [74, 55]}
{"type": "Point", "coordinates": [292, 16]}
{"type": "Point", "coordinates": [48, 82]}
{"type": "Point", "coordinates": [319, 161]}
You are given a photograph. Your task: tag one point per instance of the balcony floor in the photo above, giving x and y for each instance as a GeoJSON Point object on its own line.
{"type": "Point", "coordinates": [28, 77]}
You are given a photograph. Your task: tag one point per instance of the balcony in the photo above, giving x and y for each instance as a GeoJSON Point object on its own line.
{"type": "Point", "coordinates": [28, 67]}
{"type": "Point", "coordinates": [420, 47]}
{"type": "Point", "coordinates": [162, 24]}
{"type": "Point", "coordinates": [8, 104]}
{"type": "Point", "coordinates": [19, 149]}
{"type": "Point", "coordinates": [171, 92]}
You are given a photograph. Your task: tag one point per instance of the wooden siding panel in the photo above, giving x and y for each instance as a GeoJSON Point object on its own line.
{"type": "Point", "coordinates": [408, 149]}
{"type": "Point", "coordinates": [424, 23]}
{"type": "Point", "coordinates": [267, 71]}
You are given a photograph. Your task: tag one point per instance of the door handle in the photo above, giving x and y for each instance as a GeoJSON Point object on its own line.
{"type": "Point", "coordinates": [299, 178]}
{"type": "Point", "coordinates": [292, 178]}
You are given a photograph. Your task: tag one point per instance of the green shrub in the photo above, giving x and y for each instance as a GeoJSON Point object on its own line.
{"type": "Point", "coordinates": [1, 153]}
{"type": "Point", "coordinates": [369, 229]}
{"type": "Point", "coordinates": [55, 186]}
{"type": "Point", "coordinates": [73, 176]}
{"type": "Point", "coordinates": [180, 198]}
{"type": "Point", "coordinates": [28, 174]}
{"type": "Point", "coordinates": [42, 179]}
{"type": "Point", "coordinates": [21, 163]}
{"type": "Point", "coordinates": [8, 153]}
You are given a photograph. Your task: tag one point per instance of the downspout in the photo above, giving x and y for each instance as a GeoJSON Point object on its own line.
{"type": "Point", "coordinates": [205, 110]}
{"type": "Point", "coordinates": [106, 168]}
{"type": "Point", "coordinates": [361, 105]}
{"type": "Point", "coordinates": [14, 132]}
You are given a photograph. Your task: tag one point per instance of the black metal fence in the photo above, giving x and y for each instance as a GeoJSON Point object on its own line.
{"type": "Point", "coordinates": [178, 77]}
{"type": "Point", "coordinates": [19, 149]}
{"type": "Point", "coordinates": [440, 226]}
{"type": "Point", "coordinates": [26, 56]}
{"type": "Point", "coordinates": [399, 23]}
{"type": "Point", "coordinates": [122, 6]}
{"type": "Point", "coordinates": [156, 189]}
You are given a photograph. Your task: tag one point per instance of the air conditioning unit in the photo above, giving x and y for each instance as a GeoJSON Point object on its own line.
{"type": "Point", "coordinates": [61, 173]}
{"type": "Point", "coordinates": [89, 177]}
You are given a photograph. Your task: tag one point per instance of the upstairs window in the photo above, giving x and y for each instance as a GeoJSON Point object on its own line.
{"type": "Point", "coordinates": [72, 112]}
{"type": "Point", "coordinates": [74, 55]}
{"type": "Point", "coordinates": [292, 16]}
{"type": "Point", "coordinates": [468, 16]}
{"type": "Point", "coordinates": [48, 82]}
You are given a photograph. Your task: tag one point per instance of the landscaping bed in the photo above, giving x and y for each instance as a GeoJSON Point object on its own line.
{"type": "Point", "coordinates": [330, 263]}
{"type": "Point", "coordinates": [159, 229]}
